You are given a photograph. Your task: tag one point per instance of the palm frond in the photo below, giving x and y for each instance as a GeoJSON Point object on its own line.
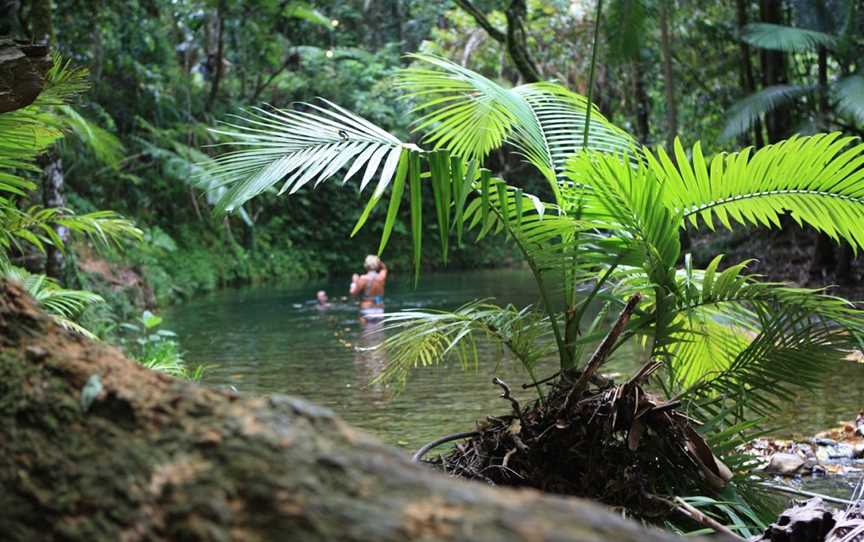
{"type": "Point", "coordinates": [104, 145]}
{"type": "Point", "coordinates": [786, 38]}
{"type": "Point", "coordinates": [301, 147]}
{"type": "Point", "coordinates": [426, 338]}
{"type": "Point", "coordinates": [471, 116]}
{"type": "Point", "coordinates": [817, 179]}
{"type": "Point", "coordinates": [790, 351]}
{"type": "Point", "coordinates": [849, 93]}
{"type": "Point", "coordinates": [306, 12]}
{"type": "Point", "coordinates": [62, 304]}
{"type": "Point", "coordinates": [747, 111]}
{"type": "Point", "coordinates": [619, 196]}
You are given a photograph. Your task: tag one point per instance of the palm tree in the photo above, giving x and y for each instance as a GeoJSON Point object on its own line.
{"type": "Point", "coordinates": [730, 346]}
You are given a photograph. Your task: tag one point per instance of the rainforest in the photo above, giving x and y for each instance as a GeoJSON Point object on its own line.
{"type": "Point", "coordinates": [379, 270]}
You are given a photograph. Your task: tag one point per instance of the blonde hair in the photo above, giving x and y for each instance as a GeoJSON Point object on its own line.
{"type": "Point", "coordinates": [372, 263]}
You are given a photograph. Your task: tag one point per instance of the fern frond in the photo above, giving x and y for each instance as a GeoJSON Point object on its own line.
{"type": "Point", "coordinates": [849, 94]}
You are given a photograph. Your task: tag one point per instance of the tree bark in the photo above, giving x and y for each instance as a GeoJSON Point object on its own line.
{"type": "Point", "coordinates": [515, 38]}
{"type": "Point", "coordinates": [219, 61]}
{"type": "Point", "coordinates": [52, 197]}
{"type": "Point", "coordinates": [643, 104]}
{"type": "Point", "coordinates": [747, 79]}
{"type": "Point", "coordinates": [95, 447]}
{"type": "Point", "coordinates": [668, 75]}
{"type": "Point", "coordinates": [41, 25]}
{"type": "Point", "coordinates": [778, 122]}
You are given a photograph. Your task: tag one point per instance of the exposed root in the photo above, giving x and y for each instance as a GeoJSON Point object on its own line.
{"type": "Point", "coordinates": [617, 444]}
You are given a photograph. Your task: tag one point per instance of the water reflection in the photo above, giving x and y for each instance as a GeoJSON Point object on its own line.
{"type": "Point", "coordinates": [265, 340]}
{"type": "Point", "coordinates": [370, 358]}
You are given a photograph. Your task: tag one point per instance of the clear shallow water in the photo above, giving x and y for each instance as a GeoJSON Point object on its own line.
{"type": "Point", "coordinates": [274, 340]}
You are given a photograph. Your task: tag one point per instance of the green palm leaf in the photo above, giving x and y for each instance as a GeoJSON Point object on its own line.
{"type": "Point", "coordinates": [817, 179]}
{"type": "Point", "coordinates": [425, 338]}
{"type": "Point", "coordinates": [789, 352]}
{"type": "Point", "coordinates": [62, 304]}
{"type": "Point", "coordinates": [849, 93]}
{"type": "Point", "coordinates": [747, 111]}
{"type": "Point", "coordinates": [295, 148]}
{"type": "Point", "coordinates": [471, 116]}
{"type": "Point", "coordinates": [786, 38]}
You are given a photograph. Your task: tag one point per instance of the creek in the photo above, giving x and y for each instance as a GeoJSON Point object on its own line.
{"type": "Point", "coordinates": [274, 339]}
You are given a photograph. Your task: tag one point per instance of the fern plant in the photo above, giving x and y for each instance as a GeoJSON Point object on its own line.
{"type": "Point", "coordinates": [732, 347]}
{"type": "Point", "coordinates": [24, 135]}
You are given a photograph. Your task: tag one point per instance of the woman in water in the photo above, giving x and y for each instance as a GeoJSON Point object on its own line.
{"type": "Point", "coordinates": [370, 288]}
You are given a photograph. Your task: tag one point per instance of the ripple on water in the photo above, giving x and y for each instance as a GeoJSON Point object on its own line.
{"type": "Point", "coordinates": [272, 340]}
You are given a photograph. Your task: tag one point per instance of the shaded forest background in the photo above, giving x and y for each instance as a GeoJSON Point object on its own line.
{"type": "Point", "coordinates": [163, 72]}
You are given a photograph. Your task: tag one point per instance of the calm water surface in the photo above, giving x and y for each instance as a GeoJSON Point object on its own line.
{"type": "Point", "coordinates": [274, 340]}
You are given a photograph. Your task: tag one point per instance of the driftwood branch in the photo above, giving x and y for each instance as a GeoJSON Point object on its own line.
{"type": "Point", "coordinates": [95, 447]}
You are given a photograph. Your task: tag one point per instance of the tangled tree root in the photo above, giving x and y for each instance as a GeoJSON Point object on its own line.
{"type": "Point", "coordinates": [616, 444]}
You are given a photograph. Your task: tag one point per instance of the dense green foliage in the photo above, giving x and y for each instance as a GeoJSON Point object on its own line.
{"type": "Point", "coordinates": [161, 72]}
{"type": "Point", "coordinates": [731, 347]}
{"type": "Point", "coordinates": [595, 211]}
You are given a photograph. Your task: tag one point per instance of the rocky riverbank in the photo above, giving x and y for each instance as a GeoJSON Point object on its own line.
{"type": "Point", "coordinates": [837, 451]}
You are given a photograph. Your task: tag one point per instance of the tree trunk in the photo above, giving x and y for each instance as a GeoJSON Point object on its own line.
{"type": "Point", "coordinates": [668, 75]}
{"type": "Point", "coordinates": [219, 60]}
{"type": "Point", "coordinates": [10, 23]}
{"type": "Point", "coordinates": [95, 447]}
{"type": "Point", "coordinates": [778, 122]}
{"type": "Point", "coordinates": [514, 39]}
{"type": "Point", "coordinates": [824, 106]}
{"type": "Point", "coordinates": [643, 104]}
{"type": "Point", "coordinates": [52, 197]}
{"type": "Point", "coordinates": [748, 82]}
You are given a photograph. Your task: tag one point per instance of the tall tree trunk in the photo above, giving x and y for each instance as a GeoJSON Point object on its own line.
{"type": "Point", "coordinates": [668, 75]}
{"type": "Point", "coordinates": [96, 447]}
{"type": "Point", "coordinates": [10, 24]}
{"type": "Point", "coordinates": [52, 197]}
{"type": "Point", "coordinates": [778, 122]}
{"type": "Point", "coordinates": [748, 81]}
{"type": "Point", "coordinates": [824, 106]}
{"type": "Point", "coordinates": [219, 57]}
{"type": "Point", "coordinates": [642, 102]}
{"type": "Point", "coordinates": [827, 253]}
